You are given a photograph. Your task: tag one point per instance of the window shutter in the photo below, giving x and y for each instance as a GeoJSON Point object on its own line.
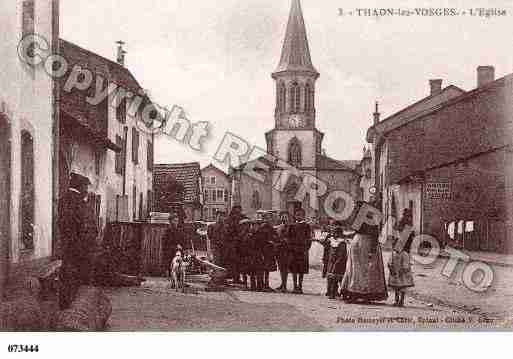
{"type": "Point", "coordinates": [149, 155]}
{"type": "Point", "coordinates": [135, 145]}
{"type": "Point", "coordinates": [119, 156]}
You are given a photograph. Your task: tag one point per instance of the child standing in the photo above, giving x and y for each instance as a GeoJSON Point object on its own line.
{"type": "Point", "coordinates": [337, 261]}
{"type": "Point", "coordinates": [400, 273]}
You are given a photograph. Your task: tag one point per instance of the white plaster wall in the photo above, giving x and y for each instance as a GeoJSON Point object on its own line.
{"type": "Point", "coordinates": [137, 175]}
{"type": "Point", "coordinates": [26, 99]}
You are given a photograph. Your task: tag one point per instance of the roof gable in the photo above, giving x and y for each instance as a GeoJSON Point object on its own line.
{"type": "Point", "coordinates": [211, 167]}
{"type": "Point", "coordinates": [409, 113]}
{"type": "Point", "coordinates": [187, 174]}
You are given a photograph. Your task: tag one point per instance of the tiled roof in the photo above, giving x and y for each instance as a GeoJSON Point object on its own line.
{"type": "Point", "coordinates": [295, 55]}
{"type": "Point", "coordinates": [100, 65]}
{"type": "Point", "coordinates": [187, 174]}
{"type": "Point", "coordinates": [327, 163]}
{"type": "Point", "coordinates": [211, 166]}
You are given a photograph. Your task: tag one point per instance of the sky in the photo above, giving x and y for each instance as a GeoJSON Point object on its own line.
{"type": "Point", "coordinates": [215, 59]}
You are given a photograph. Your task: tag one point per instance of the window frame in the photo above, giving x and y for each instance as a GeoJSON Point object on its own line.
{"type": "Point", "coordinates": [118, 162]}
{"type": "Point", "coordinates": [135, 145]}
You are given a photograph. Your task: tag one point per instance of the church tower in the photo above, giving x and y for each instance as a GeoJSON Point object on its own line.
{"type": "Point", "coordinates": [295, 138]}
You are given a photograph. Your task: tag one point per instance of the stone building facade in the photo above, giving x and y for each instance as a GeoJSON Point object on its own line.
{"type": "Point", "coordinates": [216, 192]}
{"type": "Point", "coordinates": [378, 137]}
{"type": "Point", "coordinates": [452, 165]}
{"type": "Point", "coordinates": [295, 139]}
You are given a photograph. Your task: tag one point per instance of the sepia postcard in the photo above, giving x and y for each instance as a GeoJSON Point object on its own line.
{"type": "Point", "coordinates": [255, 166]}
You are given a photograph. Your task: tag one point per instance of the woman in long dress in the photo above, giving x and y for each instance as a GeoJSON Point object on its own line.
{"type": "Point", "coordinates": [365, 273]}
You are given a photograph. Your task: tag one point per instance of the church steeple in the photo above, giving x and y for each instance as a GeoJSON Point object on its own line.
{"type": "Point", "coordinates": [295, 55]}
{"type": "Point", "coordinates": [295, 77]}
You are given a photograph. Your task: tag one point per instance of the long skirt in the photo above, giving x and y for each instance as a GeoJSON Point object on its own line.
{"type": "Point", "coordinates": [365, 273]}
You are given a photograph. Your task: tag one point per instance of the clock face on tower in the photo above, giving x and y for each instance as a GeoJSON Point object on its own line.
{"type": "Point", "coordinates": [296, 121]}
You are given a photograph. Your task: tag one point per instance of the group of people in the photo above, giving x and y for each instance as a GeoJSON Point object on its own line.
{"type": "Point", "coordinates": [353, 264]}
{"type": "Point", "coordinates": [251, 249]}
{"type": "Point", "coordinates": [352, 261]}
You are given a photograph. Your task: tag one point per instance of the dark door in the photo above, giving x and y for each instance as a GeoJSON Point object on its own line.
{"type": "Point", "coordinates": [293, 206]}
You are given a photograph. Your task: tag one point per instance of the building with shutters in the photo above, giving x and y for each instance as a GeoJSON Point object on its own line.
{"type": "Point", "coordinates": [449, 159]}
{"type": "Point", "coordinates": [216, 192]}
{"type": "Point", "coordinates": [104, 142]}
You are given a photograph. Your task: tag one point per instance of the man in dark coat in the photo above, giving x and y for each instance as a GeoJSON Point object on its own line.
{"type": "Point", "coordinates": [173, 240]}
{"type": "Point", "coordinates": [216, 234]}
{"type": "Point", "coordinates": [75, 247]}
{"type": "Point", "coordinates": [300, 241]}
{"type": "Point", "coordinates": [232, 244]}
{"type": "Point", "coordinates": [266, 239]}
{"type": "Point", "coordinates": [283, 250]}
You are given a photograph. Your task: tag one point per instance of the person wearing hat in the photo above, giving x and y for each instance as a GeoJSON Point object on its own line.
{"type": "Point", "coordinates": [364, 278]}
{"type": "Point", "coordinates": [282, 250]}
{"type": "Point", "coordinates": [216, 234]}
{"type": "Point", "coordinates": [300, 241]}
{"type": "Point", "coordinates": [267, 240]}
{"type": "Point", "coordinates": [232, 246]}
{"type": "Point", "coordinates": [246, 253]}
{"type": "Point", "coordinates": [74, 248]}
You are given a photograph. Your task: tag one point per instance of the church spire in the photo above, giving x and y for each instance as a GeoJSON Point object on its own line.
{"type": "Point", "coordinates": [295, 55]}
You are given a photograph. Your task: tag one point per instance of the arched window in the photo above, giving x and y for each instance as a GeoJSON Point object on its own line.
{"type": "Point", "coordinates": [308, 98]}
{"type": "Point", "coordinates": [298, 98]}
{"type": "Point", "coordinates": [282, 97]}
{"type": "Point", "coordinates": [295, 152]}
{"type": "Point", "coordinates": [256, 203]}
{"type": "Point", "coordinates": [295, 97]}
{"type": "Point", "coordinates": [27, 190]}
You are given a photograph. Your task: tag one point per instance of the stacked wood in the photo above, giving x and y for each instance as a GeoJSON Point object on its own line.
{"type": "Point", "coordinates": [89, 311]}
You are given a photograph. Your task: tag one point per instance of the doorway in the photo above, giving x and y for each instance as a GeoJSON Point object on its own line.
{"type": "Point", "coordinates": [293, 206]}
{"type": "Point", "coordinates": [5, 200]}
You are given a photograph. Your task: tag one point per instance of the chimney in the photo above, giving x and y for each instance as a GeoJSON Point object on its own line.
{"type": "Point", "coordinates": [485, 75]}
{"type": "Point", "coordinates": [376, 114]}
{"type": "Point", "coordinates": [435, 86]}
{"type": "Point", "coordinates": [121, 53]}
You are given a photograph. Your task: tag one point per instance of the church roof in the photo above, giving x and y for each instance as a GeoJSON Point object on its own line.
{"type": "Point", "coordinates": [327, 163]}
{"type": "Point", "coordinates": [295, 55]}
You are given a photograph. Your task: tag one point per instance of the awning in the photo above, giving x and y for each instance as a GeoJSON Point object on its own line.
{"type": "Point", "coordinates": [80, 127]}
